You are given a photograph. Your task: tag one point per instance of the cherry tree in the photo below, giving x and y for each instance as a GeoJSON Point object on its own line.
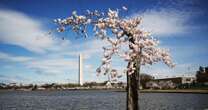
{"type": "Point", "coordinates": [132, 44]}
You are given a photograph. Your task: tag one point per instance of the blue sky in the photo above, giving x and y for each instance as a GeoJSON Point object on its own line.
{"type": "Point", "coordinates": [29, 55]}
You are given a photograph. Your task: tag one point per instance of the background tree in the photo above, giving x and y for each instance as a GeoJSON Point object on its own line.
{"type": "Point", "coordinates": [144, 78]}
{"type": "Point", "coordinates": [202, 75]}
{"type": "Point", "coordinates": [201, 69]}
{"type": "Point", "coordinates": [125, 39]}
{"type": "Point", "coordinates": [206, 69]}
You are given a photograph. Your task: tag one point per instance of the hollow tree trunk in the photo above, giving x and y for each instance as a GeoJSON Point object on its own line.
{"type": "Point", "coordinates": [133, 89]}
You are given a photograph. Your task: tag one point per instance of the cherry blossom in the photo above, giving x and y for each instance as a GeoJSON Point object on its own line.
{"type": "Point", "coordinates": [142, 47]}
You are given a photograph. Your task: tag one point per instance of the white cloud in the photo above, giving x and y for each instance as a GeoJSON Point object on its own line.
{"type": "Point", "coordinates": [16, 78]}
{"type": "Point", "coordinates": [165, 22]}
{"type": "Point", "coordinates": [19, 29]}
{"type": "Point", "coordinates": [162, 71]}
{"type": "Point", "coordinates": [53, 65]}
{"type": "Point", "coordinates": [87, 48]}
{"type": "Point", "coordinates": [63, 62]}
{"type": "Point", "coordinates": [7, 57]}
{"type": "Point", "coordinates": [42, 65]}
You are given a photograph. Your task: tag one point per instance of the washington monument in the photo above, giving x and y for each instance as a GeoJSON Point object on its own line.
{"type": "Point", "coordinates": [80, 70]}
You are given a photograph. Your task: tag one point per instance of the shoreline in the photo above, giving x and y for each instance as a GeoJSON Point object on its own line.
{"type": "Point", "coordinates": [195, 91]}
{"type": "Point", "coordinates": [188, 91]}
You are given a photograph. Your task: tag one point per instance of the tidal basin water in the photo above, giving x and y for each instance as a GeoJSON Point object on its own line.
{"type": "Point", "coordinates": [98, 100]}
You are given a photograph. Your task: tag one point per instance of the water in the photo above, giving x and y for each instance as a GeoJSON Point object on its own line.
{"type": "Point", "coordinates": [98, 100]}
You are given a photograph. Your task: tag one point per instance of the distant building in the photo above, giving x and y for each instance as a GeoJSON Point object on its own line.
{"type": "Point", "coordinates": [108, 84]}
{"type": "Point", "coordinates": [178, 80]}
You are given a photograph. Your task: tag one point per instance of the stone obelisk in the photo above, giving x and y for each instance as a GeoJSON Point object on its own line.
{"type": "Point", "coordinates": [80, 70]}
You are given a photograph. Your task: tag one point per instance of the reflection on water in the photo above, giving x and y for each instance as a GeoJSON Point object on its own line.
{"type": "Point", "coordinates": [98, 100]}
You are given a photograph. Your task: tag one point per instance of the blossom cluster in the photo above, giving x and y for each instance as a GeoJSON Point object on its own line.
{"type": "Point", "coordinates": [142, 47]}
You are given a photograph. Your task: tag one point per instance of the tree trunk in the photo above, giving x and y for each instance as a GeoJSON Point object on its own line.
{"type": "Point", "coordinates": [132, 89]}
{"type": "Point", "coordinates": [133, 83]}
